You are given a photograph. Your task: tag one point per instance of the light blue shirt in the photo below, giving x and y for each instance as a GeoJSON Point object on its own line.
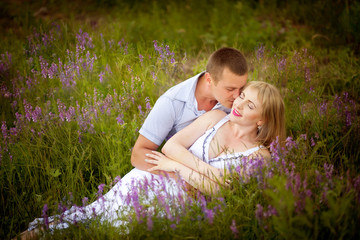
{"type": "Point", "coordinates": [173, 111]}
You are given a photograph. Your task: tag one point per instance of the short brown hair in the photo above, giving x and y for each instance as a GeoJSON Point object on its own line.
{"type": "Point", "coordinates": [226, 57]}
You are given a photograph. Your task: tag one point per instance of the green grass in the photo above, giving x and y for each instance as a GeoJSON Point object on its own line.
{"type": "Point", "coordinates": [54, 159]}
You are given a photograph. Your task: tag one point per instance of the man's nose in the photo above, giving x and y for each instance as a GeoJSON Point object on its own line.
{"type": "Point", "coordinates": [236, 93]}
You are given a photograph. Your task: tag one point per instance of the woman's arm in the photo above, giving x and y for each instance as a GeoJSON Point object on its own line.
{"type": "Point", "coordinates": [194, 178]}
{"type": "Point", "coordinates": [204, 182]}
{"type": "Point", "coordinates": [176, 148]}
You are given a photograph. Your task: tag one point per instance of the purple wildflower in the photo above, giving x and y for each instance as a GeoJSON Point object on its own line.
{"type": "Point", "coordinates": [148, 106]}
{"type": "Point", "coordinates": [348, 118]}
{"type": "Point", "coordinates": [61, 110]}
{"type": "Point", "coordinates": [85, 201]}
{"type": "Point", "coordinates": [43, 66]}
{"type": "Point", "coordinates": [5, 62]}
{"type": "Point", "coordinates": [153, 74]}
{"type": "Point", "coordinates": [312, 142]}
{"type": "Point", "coordinates": [52, 71]}
{"type": "Point", "coordinates": [108, 70]}
{"type": "Point", "coordinates": [101, 189]}
{"type": "Point", "coordinates": [4, 130]}
{"type": "Point", "coordinates": [307, 73]}
{"type": "Point", "coordinates": [111, 43]}
{"type": "Point", "coordinates": [149, 223]}
{"type": "Point", "coordinates": [234, 229]}
{"type": "Point", "coordinates": [101, 77]}
{"type": "Point", "coordinates": [290, 143]}
{"type": "Point", "coordinates": [328, 170]}
{"type": "Point", "coordinates": [209, 214]}
{"type": "Point", "coordinates": [126, 48]}
{"type": "Point", "coordinates": [120, 119]}
{"type": "Point", "coordinates": [14, 131]}
{"type": "Point", "coordinates": [282, 65]}
{"type": "Point", "coordinates": [275, 149]}
{"type": "Point", "coordinates": [28, 110]}
{"type": "Point", "coordinates": [141, 112]}
{"type": "Point", "coordinates": [45, 216]}
{"type": "Point", "coordinates": [157, 48]}
{"type": "Point", "coordinates": [36, 114]}
{"type": "Point", "coordinates": [303, 136]}
{"type": "Point", "coordinates": [70, 114]}
{"type": "Point", "coordinates": [259, 213]}
{"type": "Point", "coordinates": [84, 39]}
{"type": "Point", "coordinates": [323, 108]}
{"type": "Point", "coordinates": [260, 52]}
{"type": "Point", "coordinates": [271, 211]}
{"type": "Point", "coordinates": [141, 57]}
{"type": "Point", "coordinates": [129, 68]}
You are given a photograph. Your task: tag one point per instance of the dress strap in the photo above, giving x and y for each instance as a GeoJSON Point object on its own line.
{"type": "Point", "coordinates": [236, 155]}
{"type": "Point", "coordinates": [211, 133]}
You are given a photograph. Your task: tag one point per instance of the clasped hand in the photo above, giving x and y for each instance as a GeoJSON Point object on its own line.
{"type": "Point", "coordinates": [161, 162]}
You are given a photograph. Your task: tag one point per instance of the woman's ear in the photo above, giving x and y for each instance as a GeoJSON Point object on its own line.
{"type": "Point", "coordinates": [260, 123]}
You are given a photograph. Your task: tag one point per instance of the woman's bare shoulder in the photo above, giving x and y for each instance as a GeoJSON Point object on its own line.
{"type": "Point", "coordinates": [214, 114]}
{"type": "Point", "coordinates": [262, 153]}
{"type": "Point", "coordinates": [212, 117]}
{"type": "Point", "coordinates": [265, 153]}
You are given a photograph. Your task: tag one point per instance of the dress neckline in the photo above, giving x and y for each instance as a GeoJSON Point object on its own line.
{"type": "Point", "coordinates": [211, 133]}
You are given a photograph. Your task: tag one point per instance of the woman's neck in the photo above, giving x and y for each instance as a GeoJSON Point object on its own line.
{"type": "Point", "coordinates": [243, 133]}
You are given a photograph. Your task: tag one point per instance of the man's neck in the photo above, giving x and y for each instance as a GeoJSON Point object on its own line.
{"type": "Point", "coordinates": [203, 95]}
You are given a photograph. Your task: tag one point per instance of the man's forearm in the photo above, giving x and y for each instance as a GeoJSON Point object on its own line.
{"type": "Point", "coordinates": [138, 159]}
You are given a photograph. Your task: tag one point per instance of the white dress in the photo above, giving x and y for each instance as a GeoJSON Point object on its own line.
{"type": "Point", "coordinates": [127, 192]}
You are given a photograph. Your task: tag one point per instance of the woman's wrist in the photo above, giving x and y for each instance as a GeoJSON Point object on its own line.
{"type": "Point", "coordinates": [177, 167]}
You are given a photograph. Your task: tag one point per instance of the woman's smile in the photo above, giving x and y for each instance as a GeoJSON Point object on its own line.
{"type": "Point", "coordinates": [236, 113]}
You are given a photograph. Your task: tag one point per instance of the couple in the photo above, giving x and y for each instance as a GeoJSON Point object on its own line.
{"type": "Point", "coordinates": [210, 142]}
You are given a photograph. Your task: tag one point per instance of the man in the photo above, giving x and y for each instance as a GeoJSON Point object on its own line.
{"type": "Point", "coordinates": [216, 88]}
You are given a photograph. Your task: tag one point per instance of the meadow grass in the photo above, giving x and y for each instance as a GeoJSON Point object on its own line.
{"type": "Point", "coordinates": [76, 85]}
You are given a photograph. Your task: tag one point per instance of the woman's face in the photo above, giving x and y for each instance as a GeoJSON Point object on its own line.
{"type": "Point", "coordinates": [247, 109]}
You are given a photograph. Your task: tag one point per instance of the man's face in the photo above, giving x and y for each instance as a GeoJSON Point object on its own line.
{"type": "Point", "coordinates": [228, 87]}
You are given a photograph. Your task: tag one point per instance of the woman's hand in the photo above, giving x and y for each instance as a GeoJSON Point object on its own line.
{"type": "Point", "coordinates": [161, 162]}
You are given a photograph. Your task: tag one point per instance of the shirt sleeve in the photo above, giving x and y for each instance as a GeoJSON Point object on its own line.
{"type": "Point", "coordinates": [160, 121]}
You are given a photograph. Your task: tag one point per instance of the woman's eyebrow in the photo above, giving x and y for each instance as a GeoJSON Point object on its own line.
{"type": "Point", "coordinates": [252, 102]}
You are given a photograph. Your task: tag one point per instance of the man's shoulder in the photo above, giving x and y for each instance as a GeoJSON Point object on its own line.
{"type": "Point", "coordinates": [182, 90]}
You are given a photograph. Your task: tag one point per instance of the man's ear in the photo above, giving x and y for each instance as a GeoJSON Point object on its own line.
{"type": "Point", "coordinates": [207, 78]}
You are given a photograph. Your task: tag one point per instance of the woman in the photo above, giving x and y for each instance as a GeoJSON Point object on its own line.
{"type": "Point", "coordinates": [201, 154]}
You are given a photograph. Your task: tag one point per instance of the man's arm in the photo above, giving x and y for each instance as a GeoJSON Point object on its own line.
{"type": "Point", "coordinates": [142, 146]}
{"type": "Point", "coordinates": [145, 146]}
{"type": "Point", "coordinates": [156, 127]}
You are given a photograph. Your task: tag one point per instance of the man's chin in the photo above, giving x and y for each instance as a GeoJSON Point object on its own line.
{"type": "Point", "coordinates": [229, 105]}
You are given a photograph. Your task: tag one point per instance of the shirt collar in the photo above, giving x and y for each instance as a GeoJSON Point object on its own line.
{"type": "Point", "coordinates": [187, 92]}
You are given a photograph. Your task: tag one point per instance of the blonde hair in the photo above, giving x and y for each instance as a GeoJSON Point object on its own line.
{"type": "Point", "coordinates": [273, 113]}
